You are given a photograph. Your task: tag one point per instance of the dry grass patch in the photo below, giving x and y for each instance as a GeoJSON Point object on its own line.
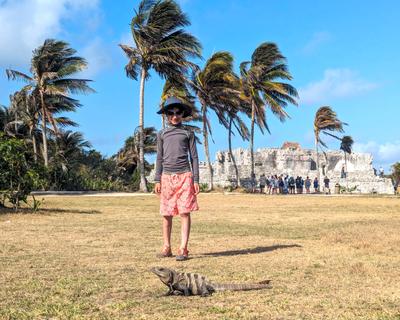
{"type": "Point", "coordinates": [88, 258]}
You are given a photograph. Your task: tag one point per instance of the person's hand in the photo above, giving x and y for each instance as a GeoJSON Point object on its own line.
{"type": "Point", "coordinates": [157, 188]}
{"type": "Point", "coordinates": [196, 188]}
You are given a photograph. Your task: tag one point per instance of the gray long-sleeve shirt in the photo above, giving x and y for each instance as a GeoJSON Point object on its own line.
{"type": "Point", "coordinates": [176, 146]}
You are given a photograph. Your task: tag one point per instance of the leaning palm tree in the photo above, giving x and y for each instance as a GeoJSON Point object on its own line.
{"type": "Point", "coordinates": [325, 120]}
{"type": "Point", "coordinates": [52, 65]}
{"type": "Point", "coordinates": [216, 86]}
{"type": "Point", "coordinates": [262, 88]}
{"type": "Point", "coordinates": [162, 45]}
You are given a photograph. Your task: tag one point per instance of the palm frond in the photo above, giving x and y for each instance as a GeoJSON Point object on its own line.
{"type": "Point", "coordinates": [16, 75]}
{"type": "Point", "coordinates": [347, 144]}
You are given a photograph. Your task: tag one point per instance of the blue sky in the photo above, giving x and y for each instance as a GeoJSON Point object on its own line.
{"type": "Point", "coordinates": [344, 54]}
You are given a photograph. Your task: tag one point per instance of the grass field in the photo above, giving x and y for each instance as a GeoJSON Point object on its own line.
{"type": "Point", "coordinates": [88, 258]}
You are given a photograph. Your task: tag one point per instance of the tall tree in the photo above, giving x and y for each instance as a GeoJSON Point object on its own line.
{"type": "Point", "coordinates": [52, 65]}
{"type": "Point", "coordinates": [216, 87]}
{"type": "Point", "coordinates": [236, 121]}
{"type": "Point", "coordinates": [262, 90]}
{"type": "Point", "coordinates": [325, 120]}
{"type": "Point", "coordinates": [162, 45]}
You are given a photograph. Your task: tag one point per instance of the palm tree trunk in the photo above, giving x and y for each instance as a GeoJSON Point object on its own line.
{"type": "Point", "coordinates": [44, 116]}
{"type": "Point", "coordinates": [317, 162]}
{"type": "Point", "coordinates": [34, 145]}
{"type": "Point", "coordinates": [206, 150]}
{"type": "Point", "coordinates": [143, 184]}
{"type": "Point", "coordinates": [231, 154]}
{"type": "Point", "coordinates": [345, 165]}
{"type": "Point", "coordinates": [252, 139]}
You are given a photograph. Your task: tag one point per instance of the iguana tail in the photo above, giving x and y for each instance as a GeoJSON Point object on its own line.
{"type": "Point", "coordinates": [242, 287]}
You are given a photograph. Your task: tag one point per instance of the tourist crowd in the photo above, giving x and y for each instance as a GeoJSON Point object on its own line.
{"type": "Point", "coordinates": [285, 184]}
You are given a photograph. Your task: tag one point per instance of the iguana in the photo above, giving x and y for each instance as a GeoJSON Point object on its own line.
{"type": "Point", "coordinates": [194, 284]}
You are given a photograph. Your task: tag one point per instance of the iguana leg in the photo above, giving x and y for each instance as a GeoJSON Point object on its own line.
{"type": "Point", "coordinates": [204, 290]}
{"type": "Point", "coordinates": [205, 293]}
{"type": "Point", "coordinates": [177, 293]}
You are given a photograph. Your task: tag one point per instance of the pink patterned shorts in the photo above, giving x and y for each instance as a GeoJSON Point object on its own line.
{"type": "Point", "coordinates": [177, 194]}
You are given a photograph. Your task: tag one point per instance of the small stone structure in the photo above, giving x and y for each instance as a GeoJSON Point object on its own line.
{"type": "Point", "coordinates": [292, 160]}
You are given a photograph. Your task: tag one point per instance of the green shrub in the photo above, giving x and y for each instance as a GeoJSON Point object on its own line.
{"type": "Point", "coordinates": [203, 187]}
{"type": "Point", "coordinates": [17, 177]}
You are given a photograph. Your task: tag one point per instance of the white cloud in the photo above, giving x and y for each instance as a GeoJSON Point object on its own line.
{"type": "Point", "coordinates": [336, 83]}
{"type": "Point", "coordinates": [27, 23]}
{"type": "Point", "coordinates": [98, 56]}
{"type": "Point", "coordinates": [316, 41]}
{"type": "Point", "coordinates": [390, 151]}
{"type": "Point", "coordinates": [384, 154]}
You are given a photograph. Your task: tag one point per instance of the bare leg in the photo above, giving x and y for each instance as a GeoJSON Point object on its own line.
{"type": "Point", "coordinates": [167, 229]}
{"type": "Point", "coordinates": [185, 229]}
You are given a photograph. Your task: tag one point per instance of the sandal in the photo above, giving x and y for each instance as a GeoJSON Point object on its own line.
{"type": "Point", "coordinates": [183, 254]}
{"type": "Point", "coordinates": [165, 252]}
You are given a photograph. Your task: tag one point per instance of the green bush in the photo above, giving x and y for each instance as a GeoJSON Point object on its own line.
{"type": "Point", "coordinates": [203, 187]}
{"type": "Point", "coordinates": [17, 177]}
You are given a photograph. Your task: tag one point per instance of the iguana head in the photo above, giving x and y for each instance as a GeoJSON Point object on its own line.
{"type": "Point", "coordinates": [166, 275]}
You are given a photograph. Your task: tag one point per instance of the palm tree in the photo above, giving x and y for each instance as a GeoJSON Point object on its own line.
{"type": "Point", "coordinates": [216, 87]}
{"type": "Point", "coordinates": [51, 66]}
{"type": "Point", "coordinates": [261, 89]}
{"type": "Point", "coordinates": [27, 113]}
{"type": "Point", "coordinates": [128, 156]}
{"type": "Point", "coordinates": [161, 45]}
{"type": "Point", "coordinates": [70, 145]}
{"type": "Point", "coordinates": [67, 151]}
{"type": "Point", "coordinates": [346, 145]}
{"type": "Point", "coordinates": [5, 118]}
{"type": "Point", "coordinates": [241, 128]}
{"type": "Point", "coordinates": [325, 120]}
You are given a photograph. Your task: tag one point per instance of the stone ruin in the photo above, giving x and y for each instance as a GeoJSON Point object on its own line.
{"type": "Point", "coordinates": [291, 159]}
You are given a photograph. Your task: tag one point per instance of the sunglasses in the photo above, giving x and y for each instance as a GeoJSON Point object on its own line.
{"type": "Point", "coordinates": [177, 113]}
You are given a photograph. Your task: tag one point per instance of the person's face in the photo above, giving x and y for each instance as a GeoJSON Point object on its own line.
{"type": "Point", "coordinates": [174, 115]}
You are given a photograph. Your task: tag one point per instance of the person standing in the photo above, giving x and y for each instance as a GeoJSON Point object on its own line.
{"type": "Point", "coordinates": [316, 185]}
{"type": "Point", "coordinates": [285, 185]}
{"type": "Point", "coordinates": [291, 185]}
{"type": "Point", "coordinates": [327, 190]}
{"type": "Point", "coordinates": [263, 182]}
{"type": "Point", "coordinates": [177, 175]}
{"type": "Point", "coordinates": [308, 184]}
{"type": "Point", "coordinates": [343, 172]}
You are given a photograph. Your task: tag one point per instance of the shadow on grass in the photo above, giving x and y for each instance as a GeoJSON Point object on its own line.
{"type": "Point", "coordinates": [6, 210]}
{"type": "Point", "coordinates": [250, 251]}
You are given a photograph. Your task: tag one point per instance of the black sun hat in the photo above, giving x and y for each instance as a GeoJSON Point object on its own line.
{"type": "Point", "coordinates": [174, 102]}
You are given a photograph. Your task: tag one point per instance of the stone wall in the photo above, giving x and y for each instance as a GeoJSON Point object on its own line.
{"type": "Point", "coordinates": [302, 162]}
